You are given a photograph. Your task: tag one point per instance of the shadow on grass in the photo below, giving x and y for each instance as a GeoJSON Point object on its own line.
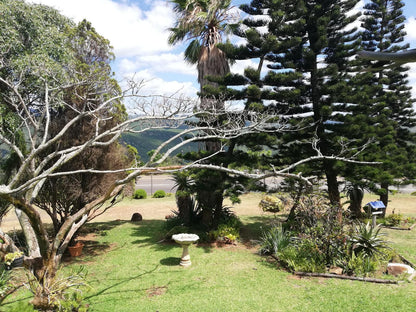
{"type": "Point", "coordinates": [100, 228]}
{"type": "Point", "coordinates": [152, 233]}
{"type": "Point", "coordinates": [92, 247]}
{"type": "Point", "coordinates": [120, 282]}
{"type": "Point", "coordinates": [148, 232]}
{"type": "Point", "coordinates": [170, 261]}
{"type": "Point", "coordinates": [253, 227]}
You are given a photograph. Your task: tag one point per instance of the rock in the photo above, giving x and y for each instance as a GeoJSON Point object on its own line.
{"type": "Point", "coordinates": [136, 217]}
{"type": "Point", "coordinates": [397, 269]}
{"type": "Point", "coordinates": [335, 270]}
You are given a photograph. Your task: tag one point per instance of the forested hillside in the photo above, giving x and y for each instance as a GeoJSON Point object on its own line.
{"type": "Point", "coordinates": [146, 142]}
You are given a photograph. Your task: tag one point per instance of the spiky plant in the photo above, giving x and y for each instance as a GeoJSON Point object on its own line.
{"type": "Point", "coordinates": [368, 240]}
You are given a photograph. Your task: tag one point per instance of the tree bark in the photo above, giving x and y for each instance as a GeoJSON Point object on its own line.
{"type": "Point", "coordinates": [384, 196]}
{"type": "Point", "coordinates": [356, 199]}
{"type": "Point", "coordinates": [29, 233]}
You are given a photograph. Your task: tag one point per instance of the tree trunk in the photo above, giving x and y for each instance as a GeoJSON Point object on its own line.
{"type": "Point", "coordinates": [384, 196]}
{"type": "Point", "coordinates": [333, 190]}
{"type": "Point", "coordinates": [184, 203]}
{"type": "Point", "coordinates": [356, 195]}
{"type": "Point", "coordinates": [45, 277]}
{"type": "Point", "coordinates": [30, 235]}
{"type": "Point", "coordinates": [211, 203]}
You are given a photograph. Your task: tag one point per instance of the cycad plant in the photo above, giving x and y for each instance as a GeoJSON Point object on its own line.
{"type": "Point", "coordinates": [184, 190]}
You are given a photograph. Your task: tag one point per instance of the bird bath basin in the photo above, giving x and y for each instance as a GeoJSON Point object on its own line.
{"type": "Point", "coordinates": [185, 240]}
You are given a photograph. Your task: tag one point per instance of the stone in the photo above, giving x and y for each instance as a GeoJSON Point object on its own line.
{"type": "Point", "coordinates": [397, 269]}
{"type": "Point", "coordinates": [136, 217]}
{"type": "Point", "coordinates": [335, 270]}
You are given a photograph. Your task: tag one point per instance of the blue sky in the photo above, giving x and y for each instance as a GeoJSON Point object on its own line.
{"type": "Point", "coordinates": [137, 29]}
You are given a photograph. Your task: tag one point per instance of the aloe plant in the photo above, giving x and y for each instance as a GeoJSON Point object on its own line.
{"type": "Point", "coordinates": [368, 240]}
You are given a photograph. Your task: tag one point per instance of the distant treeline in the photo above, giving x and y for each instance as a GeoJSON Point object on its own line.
{"type": "Point", "coordinates": [152, 139]}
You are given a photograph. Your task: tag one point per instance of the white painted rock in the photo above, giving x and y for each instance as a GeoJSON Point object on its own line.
{"type": "Point", "coordinates": [399, 268]}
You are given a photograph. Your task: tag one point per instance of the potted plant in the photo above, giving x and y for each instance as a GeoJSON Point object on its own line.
{"type": "Point", "coordinates": [13, 260]}
{"type": "Point", "coordinates": [75, 249]}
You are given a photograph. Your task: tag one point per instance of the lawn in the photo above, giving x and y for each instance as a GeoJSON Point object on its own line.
{"type": "Point", "coordinates": [131, 269]}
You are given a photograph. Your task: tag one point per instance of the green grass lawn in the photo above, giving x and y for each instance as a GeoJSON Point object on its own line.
{"type": "Point", "coordinates": [129, 269]}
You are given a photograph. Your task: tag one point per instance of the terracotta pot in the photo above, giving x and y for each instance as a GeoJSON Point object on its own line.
{"type": "Point", "coordinates": [76, 250]}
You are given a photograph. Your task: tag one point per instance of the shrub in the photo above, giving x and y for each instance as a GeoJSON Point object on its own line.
{"type": "Point", "coordinates": [140, 194]}
{"type": "Point", "coordinates": [361, 265]}
{"type": "Point", "coordinates": [159, 194]}
{"type": "Point", "coordinates": [5, 285]}
{"type": "Point", "coordinates": [228, 231]}
{"type": "Point", "coordinates": [303, 256]}
{"type": "Point", "coordinates": [271, 203]}
{"type": "Point", "coordinates": [393, 219]}
{"type": "Point", "coordinates": [274, 240]}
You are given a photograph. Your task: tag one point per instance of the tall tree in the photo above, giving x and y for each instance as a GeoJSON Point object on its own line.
{"type": "Point", "coordinates": [203, 23]}
{"type": "Point", "coordinates": [387, 108]}
{"type": "Point", "coordinates": [310, 78]}
{"type": "Point", "coordinates": [307, 49]}
{"type": "Point", "coordinates": [61, 197]}
{"type": "Point", "coordinates": [55, 83]}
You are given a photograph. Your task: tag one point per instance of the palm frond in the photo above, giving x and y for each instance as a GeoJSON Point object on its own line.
{"type": "Point", "coordinates": [192, 52]}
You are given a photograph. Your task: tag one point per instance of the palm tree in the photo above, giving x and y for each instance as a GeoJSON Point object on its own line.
{"type": "Point", "coordinates": [203, 22]}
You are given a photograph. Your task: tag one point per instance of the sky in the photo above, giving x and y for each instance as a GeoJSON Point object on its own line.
{"type": "Point", "coordinates": [138, 32]}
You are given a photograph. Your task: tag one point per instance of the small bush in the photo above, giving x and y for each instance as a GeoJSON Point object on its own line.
{"type": "Point", "coordinates": [361, 265]}
{"type": "Point", "coordinates": [393, 219]}
{"type": "Point", "coordinates": [274, 240]}
{"type": "Point", "coordinates": [303, 256]}
{"type": "Point", "coordinates": [271, 204]}
{"type": "Point", "coordinates": [159, 194]}
{"type": "Point", "coordinates": [228, 231]}
{"type": "Point", "coordinates": [140, 194]}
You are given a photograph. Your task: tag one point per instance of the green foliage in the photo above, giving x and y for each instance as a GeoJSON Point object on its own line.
{"type": "Point", "coordinates": [304, 256]}
{"type": "Point", "coordinates": [274, 240]}
{"type": "Point", "coordinates": [228, 231]}
{"type": "Point", "coordinates": [361, 265]}
{"type": "Point", "coordinates": [140, 194]}
{"type": "Point", "coordinates": [159, 194]}
{"type": "Point", "coordinates": [367, 240]}
{"type": "Point", "coordinates": [22, 307]}
{"type": "Point", "coordinates": [393, 219]}
{"type": "Point", "coordinates": [5, 284]}
{"type": "Point", "coordinates": [73, 302]}
{"type": "Point", "coordinates": [64, 291]}
{"type": "Point", "coordinates": [271, 204]}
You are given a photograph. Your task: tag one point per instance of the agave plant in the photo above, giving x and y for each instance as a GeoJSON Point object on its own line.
{"type": "Point", "coordinates": [367, 240]}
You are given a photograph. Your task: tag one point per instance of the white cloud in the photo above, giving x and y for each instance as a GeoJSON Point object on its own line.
{"type": "Point", "coordinates": [240, 66]}
{"type": "Point", "coordinates": [138, 31]}
{"type": "Point", "coordinates": [410, 28]}
{"type": "Point", "coordinates": [131, 30]}
{"type": "Point", "coordinates": [160, 63]}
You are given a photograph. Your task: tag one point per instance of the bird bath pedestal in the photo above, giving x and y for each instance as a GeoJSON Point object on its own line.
{"type": "Point", "coordinates": [185, 240]}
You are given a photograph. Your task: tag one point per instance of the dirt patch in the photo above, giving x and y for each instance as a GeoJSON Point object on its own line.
{"type": "Point", "coordinates": [294, 277]}
{"type": "Point", "coordinates": [156, 291]}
